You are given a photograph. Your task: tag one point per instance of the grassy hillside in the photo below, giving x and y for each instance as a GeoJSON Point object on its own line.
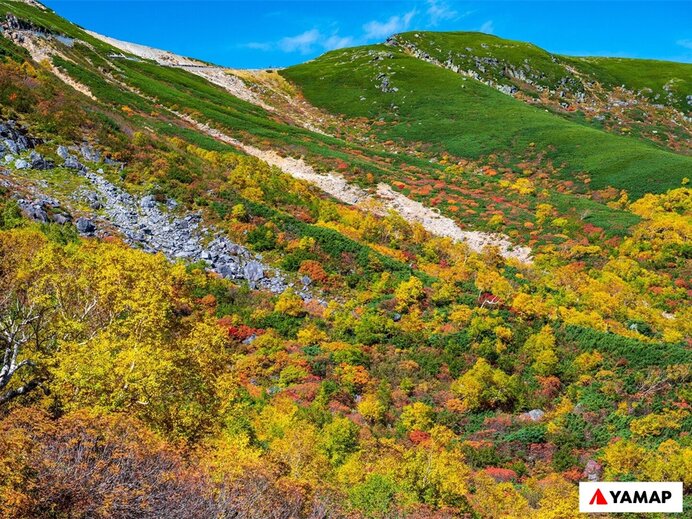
{"type": "Point", "coordinates": [495, 55]}
{"type": "Point", "coordinates": [468, 49]}
{"type": "Point", "coordinates": [470, 119]}
{"type": "Point", "coordinates": [663, 82]}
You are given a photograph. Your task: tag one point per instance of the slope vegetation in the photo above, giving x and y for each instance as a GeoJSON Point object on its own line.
{"type": "Point", "coordinates": [422, 102]}
{"type": "Point", "coordinates": [191, 326]}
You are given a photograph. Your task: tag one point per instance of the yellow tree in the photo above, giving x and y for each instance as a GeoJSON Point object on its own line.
{"type": "Point", "coordinates": [483, 386]}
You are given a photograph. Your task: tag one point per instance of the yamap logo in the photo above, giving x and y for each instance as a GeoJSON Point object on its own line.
{"type": "Point", "coordinates": [630, 497]}
{"type": "Point", "coordinates": [598, 498]}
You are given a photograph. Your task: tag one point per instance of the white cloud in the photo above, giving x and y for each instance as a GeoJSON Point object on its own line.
{"type": "Point", "coordinates": [487, 27]}
{"type": "Point", "coordinates": [375, 30]}
{"type": "Point", "coordinates": [686, 43]}
{"type": "Point", "coordinates": [258, 45]}
{"type": "Point", "coordinates": [337, 42]}
{"type": "Point", "coordinates": [303, 42]}
{"type": "Point", "coordinates": [439, 11]}
{"type": "Point", "coordinates": [317, 39]}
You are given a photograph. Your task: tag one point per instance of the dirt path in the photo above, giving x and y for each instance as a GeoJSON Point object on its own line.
{"type": "Point", "coordinates": [42, 49]}
{"type": "Point", "coordinates": [384, 200]}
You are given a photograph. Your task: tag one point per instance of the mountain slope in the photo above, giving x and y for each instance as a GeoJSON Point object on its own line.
{"type": "Point", "coordinates": [644, 98]}
{"type": "Point", "coordinates": [518, 64]}
{"type": "Point", "coordinates": [426, 103]}
{"type": "Point", "coordinates": [220, 300]}
{"type": "Point", "coordinates": [147, 88]}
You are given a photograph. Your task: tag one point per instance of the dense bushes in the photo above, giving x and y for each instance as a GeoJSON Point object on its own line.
{"type": "Point", "coordinates": [637, 354]}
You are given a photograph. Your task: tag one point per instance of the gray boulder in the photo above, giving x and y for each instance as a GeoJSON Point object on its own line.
{"type": "Point", "coordinates": [85, 226]}
{"type": "Point", "coordinates": [11, 146]}
{"type": "Point", "coordinates": [253, 271]}
{"type": "Point", "coordinates": [48, 201]}
{"type": "Point", "coordinates": [93, 200]}
{"type": "Point", "coordinates": [21, 164]}
{"type": "Point", "coordinates": [23, 143]}
{"type": "Point", "coordinates": [148, 202]}
{"type": "Point", "coordinates": [90, 154]}
{"type": "Point", "coordinates": [227, 271]}
{"type": "Point", "coordinates": [62, 219]}
{"type": "Point", "coordinates": [63, 152]}
{"type": "Point", "coordinates": [535, 415]}
{"type": "Point", "coordinates": [33, 210]}
{"type": "Point", "coordinates": [14, 138]}
{"type": "Point", "coordinates": [37, 161]}
{"type": "Point", "coordinates": [72, 163]}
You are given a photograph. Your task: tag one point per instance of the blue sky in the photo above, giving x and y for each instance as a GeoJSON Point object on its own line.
{"type": "Point", "coordinates": [255, 34]}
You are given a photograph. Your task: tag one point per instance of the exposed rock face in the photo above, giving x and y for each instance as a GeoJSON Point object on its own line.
{"type": "Point", "coordinates": [33, 210]}
{"type": "Point", "coordinates": [37, 161]}
{"type": "Point", "coordinates": [14, 139]}
{"type": "Point", "coordinates": [90, 154]}
{"type": "Point", "coordinates": [62, 219]}
{"type": "Point", "coordinates": [70, 161]}
{"type": "Point", "coordinates": [63, 152]}
{"type": "Point", "coordinates": [147, 224]}
{"type": "Point", "coordinates": [21, 164]}
{"type": "Point", "coordinates": [253, 271]}
{"type": "Point", "coordinates": [13, 23]}
{"type": "Point", "coordinates": [143, 222]}
{"type": "Point", "coordinates": [93, 200]}
{"type": "Point", "coordinates": [43, 209]}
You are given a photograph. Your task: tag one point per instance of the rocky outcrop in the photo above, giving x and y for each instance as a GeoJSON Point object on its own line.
{"type": "Point", "coordinates": [492, 71]}
{"type": "Point", "coordinates": [143, 222]}
{"type": "Point", "coordinates": [44, 209]}
{"type": "Point", "coordinates": [150, 225]}
{"type": "Point", "coordinates": [33, 210]}
{"type": "Point", "coordinates": [14, 140]}
{"type": "Point", "coordinates": [37, 161]}
{"type": "Point", "coordinates": [12, 23]}
{"type": "Point", "coordinates": [385, 85]}
{"type": "Point", "coordinates": [85, 226]}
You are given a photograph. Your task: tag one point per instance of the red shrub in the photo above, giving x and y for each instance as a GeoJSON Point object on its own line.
{"type": "Point", "coordinates": [501, 475]}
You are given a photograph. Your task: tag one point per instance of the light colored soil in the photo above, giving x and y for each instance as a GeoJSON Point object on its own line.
{"type": "Point", "coordinates": [384, 200]}
{"type": "Point", "coordinates": [41, 51]}
{"type": "Point", "coordinates": [219, 76]}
